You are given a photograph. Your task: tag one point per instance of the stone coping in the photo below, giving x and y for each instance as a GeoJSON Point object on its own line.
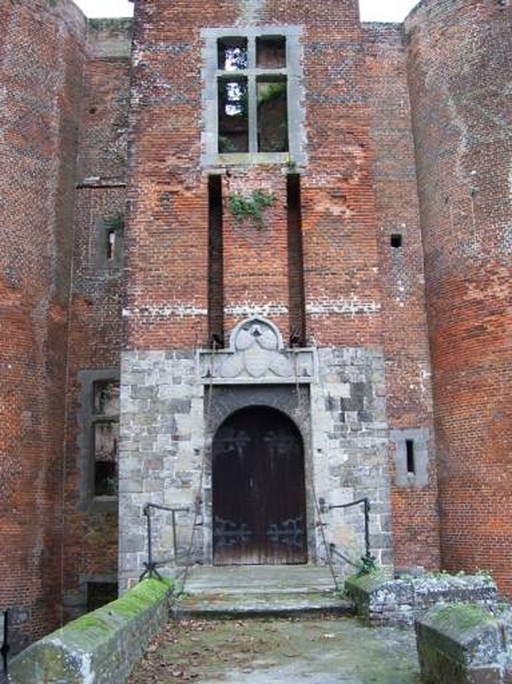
{"type": "Point", "coordinates": [100, 647]}
{"type": "Point", "coordinates": [462, 644]}
{"type": "Point", "coordinates": [382, 599]}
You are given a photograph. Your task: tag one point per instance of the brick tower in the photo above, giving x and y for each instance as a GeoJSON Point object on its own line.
{"type": "Point", "coordinates": [459, 74]}
{"type": "Point", "coordinates": [256, 315]}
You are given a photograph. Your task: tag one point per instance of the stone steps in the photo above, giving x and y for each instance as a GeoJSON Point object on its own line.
{"type": "Point", "coordinates": [258, 591]}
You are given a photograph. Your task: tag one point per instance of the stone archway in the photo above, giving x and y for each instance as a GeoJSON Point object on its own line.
{"type": "Point", "coordinates": [259, 501]}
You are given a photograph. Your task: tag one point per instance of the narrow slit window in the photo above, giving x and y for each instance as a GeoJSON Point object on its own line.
{"type": "Point", "coordinates": [111, 244]}
{"type": "Point", "coordinates": [272, 114]}
{"type": "Point", "coordinates": [396, 241]}
{"type": "Point", "coordinates": [409, 451]}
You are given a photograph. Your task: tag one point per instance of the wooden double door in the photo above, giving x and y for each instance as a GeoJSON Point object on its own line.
{"type": "Point", "coordinates": [259, 501]}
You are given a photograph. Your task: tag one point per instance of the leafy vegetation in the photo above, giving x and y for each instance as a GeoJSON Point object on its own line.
{"type": "Point", "coordinates": [251, 206]}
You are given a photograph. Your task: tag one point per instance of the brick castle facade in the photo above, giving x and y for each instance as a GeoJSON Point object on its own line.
{"type": "Point", "coordinates": [254, 263]}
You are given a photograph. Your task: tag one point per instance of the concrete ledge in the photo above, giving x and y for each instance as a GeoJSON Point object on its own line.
{"type": "Point", "coordinates": [382, 600]}
{"type": "Point", "coordinates": [461, 644]}
{"type": "Point", "coordinates": [101, 647]}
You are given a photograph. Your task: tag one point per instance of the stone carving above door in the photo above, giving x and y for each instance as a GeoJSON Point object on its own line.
{"type": "Point", "coordinates": [256, 354]}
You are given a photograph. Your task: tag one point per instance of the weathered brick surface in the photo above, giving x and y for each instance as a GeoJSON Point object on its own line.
{"type": "Point", "coordinates": [409, 391]}
{"type": "Point", "coordinates": [459, 71]}
{"type": "Point", "coordinates": [41, 67]}
{"type": "Point", "coordinates": [167, 301]}
{"type": "Point", "coordinates": [90, 549]}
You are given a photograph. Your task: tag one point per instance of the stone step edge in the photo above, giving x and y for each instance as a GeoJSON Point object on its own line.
{"type": "Point", "coordinates": [177, 612]}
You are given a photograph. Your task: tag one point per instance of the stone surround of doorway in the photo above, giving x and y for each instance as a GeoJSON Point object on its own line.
{"type": "Point", "coordinates": [174, 402]}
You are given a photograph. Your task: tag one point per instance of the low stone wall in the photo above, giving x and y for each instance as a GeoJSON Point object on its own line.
{"type": "Point", "coordinates": [382, 600]}
{"type": "Point", "coordinates": [98, 648]}
{"type": "Point", "coordinates": [463, 644]}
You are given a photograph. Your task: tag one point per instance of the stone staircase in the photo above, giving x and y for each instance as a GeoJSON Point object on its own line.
{"type": "Point", "coordinates": [225, 592]}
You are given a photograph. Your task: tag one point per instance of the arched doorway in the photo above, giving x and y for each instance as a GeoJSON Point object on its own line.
{"type": "Point", "coordinates": [259, 501]}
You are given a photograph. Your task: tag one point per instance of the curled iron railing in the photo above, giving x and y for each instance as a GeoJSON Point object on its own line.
{"type": "Point", "coordinates": [367, 561]}
{"type": "Point", "coordinates": [151, 564]}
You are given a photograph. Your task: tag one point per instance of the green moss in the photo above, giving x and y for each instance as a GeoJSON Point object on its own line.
{"type": "Point", "coordinates": [369, 582]}
{"type": "Point", "coordinates": [461, 617]}
{"type": "Point", "coordinates": [134, 602]}
{"type": "Point", "coordinates": [120, 24]}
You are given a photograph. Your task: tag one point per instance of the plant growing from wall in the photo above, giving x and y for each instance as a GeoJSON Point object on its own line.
{"type": "Point", "coordinates": [115, 222]}
{"type": "Point", "coordinates": [251, 207]}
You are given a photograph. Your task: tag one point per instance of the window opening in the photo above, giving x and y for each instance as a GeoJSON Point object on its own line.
{"type": "Point", "coordinates": [409, 449]}
{"type": "Point", "coordinates": [272, 114]}
{"type": "Point", "coordinates": [233, 115]}
{"type": "Point", "coordinates": [396, 241]}
{"type": "Point", "coordinates": [252, 95]}
{"type": "Point", "coordinates": [271, 52]}
{"type": "Point", "coordinates": [100, 593]}
{"type": "Point", "coordinates": [111, 244]}
{"type": "Point", "coordinates": [105, 429]}
{"type": "Point", "coordinates": [232, 54]}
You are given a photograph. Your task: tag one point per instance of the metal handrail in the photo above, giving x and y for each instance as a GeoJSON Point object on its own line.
{"type": "Point", "coordinates": [367, 563]}
{"type": "Point", "coordinates": [151, 565]}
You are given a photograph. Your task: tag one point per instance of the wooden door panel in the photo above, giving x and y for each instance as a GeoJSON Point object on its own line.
{"type": "Point", "coordinates": [258, 490]}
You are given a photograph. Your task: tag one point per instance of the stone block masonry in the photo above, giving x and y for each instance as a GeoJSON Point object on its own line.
{"type": "Point", "coordinates": [382, 600]}
{"type": "Point", "coordinates": [464, 645]}
{"type": "Point", "coordinates": [168, 423]}
{"type": "Point", "coordinates": [100, 647]}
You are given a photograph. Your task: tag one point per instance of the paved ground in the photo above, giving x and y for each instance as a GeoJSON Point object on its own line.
{"type": "Point", "coordinates": [267, 648]}
{"type": "Point", "coordinates": [278, 651]}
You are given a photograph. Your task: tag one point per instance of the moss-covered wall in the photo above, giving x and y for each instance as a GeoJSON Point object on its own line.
{"type": "Point", "coordinates": [100, 647]}
{"type": "Point", "coordinates": [461, 644]}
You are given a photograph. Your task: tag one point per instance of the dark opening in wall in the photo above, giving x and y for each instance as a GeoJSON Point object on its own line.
{"type": "Point", "coordinates": [409, 449]}
{"type": "Point", "coordinates": [271, 52]}
{"type": "Point", "coordinates": [100, 593]}
{"type": "Point", "coordinates": [295, 263]}
{"type": "Point", "coordinates": [232, 53]}
{"type": "Point", "coordinates": [111, 244]}
{"type": "Point", "coordinates": [215, 265]}
{"type": "Point", "coordinates": [396, 240]}
{"type": "Point", "coordinates": [105, 436]}
{"type": "Point", "coordinates": [233, 114]}
{"type": "Point", "coordinates": [272, 114]}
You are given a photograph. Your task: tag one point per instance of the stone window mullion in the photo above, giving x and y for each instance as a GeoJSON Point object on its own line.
{"type": "Point", "coordinates": [253, 105]}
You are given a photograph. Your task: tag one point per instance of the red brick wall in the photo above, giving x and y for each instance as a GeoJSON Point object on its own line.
{"type": "Point", "coordinates": [95, 341]}
{"type": "Point", "coordinates": [460, 56]}
{"type": "Point", "coordinates": [42, 56]}
{"type": "Point", "coordinates": [167, 241]}
{"type": "Point", "coordinates": [409, 390]}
